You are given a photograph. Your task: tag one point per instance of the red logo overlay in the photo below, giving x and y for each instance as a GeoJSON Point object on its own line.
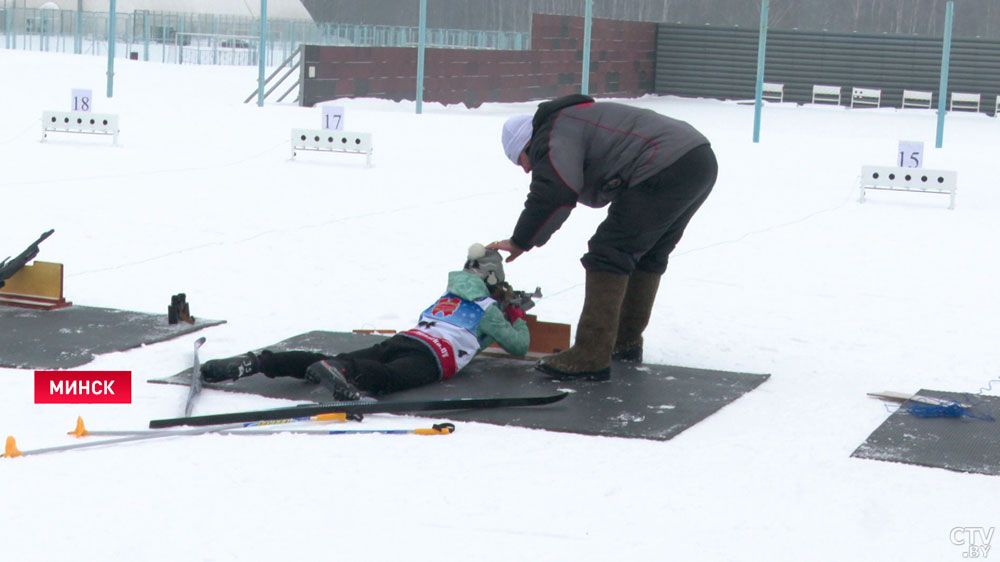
{"type": "Point", "coordinates": [446, 306]}
{"type": "Point", "coordinates": [83, 387]}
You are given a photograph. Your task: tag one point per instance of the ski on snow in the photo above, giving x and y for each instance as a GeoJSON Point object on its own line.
{"type": "Point", "coordinates": [361, 407]}
{"type": "Point", "coordinates": [195, 378]}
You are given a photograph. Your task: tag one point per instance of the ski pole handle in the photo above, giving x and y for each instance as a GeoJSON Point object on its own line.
{"type": "Point", "coordinates": [438, 429]}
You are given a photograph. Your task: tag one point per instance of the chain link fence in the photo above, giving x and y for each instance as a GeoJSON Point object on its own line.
{"type": "Point", "coordinates": [216, 39]}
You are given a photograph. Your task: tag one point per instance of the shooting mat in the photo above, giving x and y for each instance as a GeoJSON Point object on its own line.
{"type": "Point", "coordinates": [73, 336]}
{"type": "Point", "coordinates": [644, 401]}
{"type": "Point", "coordinates": [964, 444]}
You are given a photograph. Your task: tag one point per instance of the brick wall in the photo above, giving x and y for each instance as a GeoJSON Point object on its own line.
{"type": "Point", "coordinates": [622, 61]}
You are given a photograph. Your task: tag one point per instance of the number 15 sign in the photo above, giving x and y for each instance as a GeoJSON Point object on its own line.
{"type": "Point", "coordinates": [910, 154]}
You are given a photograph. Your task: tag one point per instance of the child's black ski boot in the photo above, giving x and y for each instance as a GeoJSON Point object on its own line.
{"type": "Point", "coordinates": [230, 368]}
{"type": "Point", "coordinates": [331, 373]}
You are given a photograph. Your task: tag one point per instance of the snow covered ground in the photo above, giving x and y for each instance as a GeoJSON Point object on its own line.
{"type": "Point", "coordinates": [782, 272]}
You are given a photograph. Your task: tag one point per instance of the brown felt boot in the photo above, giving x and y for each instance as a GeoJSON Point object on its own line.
{"type": "Point", "coordinates": [590, 356]}
{"type": "Point", "coordinates": [634, 317]}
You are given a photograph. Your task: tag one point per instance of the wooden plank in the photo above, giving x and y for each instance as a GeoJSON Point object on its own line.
{"type": "Point", "coordinates": [546, 338]}
{"type": "Point", "coordinates": [40, 279]}
{"type": "Point", "coordinates": [38, 286]}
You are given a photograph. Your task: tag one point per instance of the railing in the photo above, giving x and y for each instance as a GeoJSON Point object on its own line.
{"type": "Point", "coordinates": [286, 69]}
{"type": "Point", "coordinates": [216, 39]}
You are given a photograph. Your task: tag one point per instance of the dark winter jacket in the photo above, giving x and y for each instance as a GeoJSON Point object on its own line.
{"type": "Point", "coordinates": [588, 152]}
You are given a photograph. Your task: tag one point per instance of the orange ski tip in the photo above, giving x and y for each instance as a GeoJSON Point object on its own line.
{"type": "Point", "coordinates": [80, 430]}
{"type": "Point", "coordinates": [11, 450]}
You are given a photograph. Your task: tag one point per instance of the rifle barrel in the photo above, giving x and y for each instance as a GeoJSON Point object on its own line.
{"type": "Point", "coordinates": [22, 259]}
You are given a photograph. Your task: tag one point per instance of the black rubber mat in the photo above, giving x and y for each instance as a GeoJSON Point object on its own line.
{"type": "Point", "coordinates": [641, 401]}
{"type": "Point", "coordinates": [970, 443]}
{"type": "Point", "coordinates": [73, 336]}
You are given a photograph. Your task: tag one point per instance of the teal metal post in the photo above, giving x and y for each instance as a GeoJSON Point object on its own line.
{"type": "Point", "coordinates": [13, 25]}
{"type": "Point", "coordinates": [421, 44]}
{"type": "Point", "coordinates": [758, 103]}
{"type": "Point", "coordinates": [78, 28]}
{"type": "Point", "coordinates": [945, 59]}
{"type": "Point", "coordinates": [44, 19]}
{"type": "Point", "coordinates": [179, 40]}
{"type": "Point", "coordinates": [587, 23]}
{"type": "Point", "coordinates": [145, 36]}
{"type": "Point", "coordinates": [261, 53]}
{"type": "Point", "coordinates": [112, 36]}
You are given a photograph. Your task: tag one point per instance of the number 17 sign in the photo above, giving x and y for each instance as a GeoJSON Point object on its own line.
{"type": "Point", "coordinates": [333, 117]}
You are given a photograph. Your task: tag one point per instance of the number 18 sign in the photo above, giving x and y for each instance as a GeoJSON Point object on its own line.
{"type": "Point", "coordinates": [82, 100]}
{"type": "Point", "coordinates": [910, 154]}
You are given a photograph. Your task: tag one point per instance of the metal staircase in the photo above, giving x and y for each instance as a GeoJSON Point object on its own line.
{"type": "Point", "coordinates": [292, 64]}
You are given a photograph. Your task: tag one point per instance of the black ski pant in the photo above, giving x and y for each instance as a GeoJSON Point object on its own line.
{"type": "Point", "coordinates": [395, 364]}
{"type": "Point", "coordinates": [647, 220]}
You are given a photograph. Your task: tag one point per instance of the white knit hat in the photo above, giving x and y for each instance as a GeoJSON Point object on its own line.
{"type": "Point", "coordinates": [516, 134]}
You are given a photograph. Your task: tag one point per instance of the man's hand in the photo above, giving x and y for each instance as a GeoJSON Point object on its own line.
{"type": "Point", "coordinates": [506, 246]}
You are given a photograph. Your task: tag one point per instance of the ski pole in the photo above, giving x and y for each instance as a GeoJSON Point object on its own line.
{"type": "Point", "coordinates": [11, 450]}
{"type": "Point", "coordinates": [82, 431]}
{"type": "Point", "coordinates": [436, 429]}
{"type": "Point", "coordinates": [195, 389]}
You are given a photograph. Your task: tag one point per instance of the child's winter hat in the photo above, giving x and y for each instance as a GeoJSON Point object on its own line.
{"type": "Point", "coordinates": [516, 134]}
{"type": "Point", "coordinates": [485, 264]}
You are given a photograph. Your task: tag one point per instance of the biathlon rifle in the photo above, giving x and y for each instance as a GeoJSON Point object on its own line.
{"type": "Point", "coordinates": [8, 267]}
{"type": "Point", "coordinates": [521, 299]}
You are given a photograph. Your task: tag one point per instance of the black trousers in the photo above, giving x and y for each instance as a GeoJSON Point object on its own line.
{"type": "Point", "coordinates": [647, 220]}
{"type": "Point", "coordinates": [395, 364]}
